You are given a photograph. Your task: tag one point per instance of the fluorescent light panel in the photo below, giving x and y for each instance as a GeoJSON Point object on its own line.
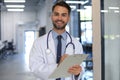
{"type": "Point", "coordinates": [116, 11]}
{"type": "Point", "coordinates": [88, 7]}
{"type": "Point", "coordinates": [79, 10]}
{"type": "Point", "coordinates": [16, 6]}
{"type": "Point", "coordinates": [77, 2]}
{"type": "Point", "coordinates": [113, 7]}
{"type": "Point", "coordinates": [15, 9]}
{"type": "Point", "coordinates": [73, 7]}
{"type": "Point", "coordinates": [15, 1]}
{"type": "Point", "coordinates": [104, 11]}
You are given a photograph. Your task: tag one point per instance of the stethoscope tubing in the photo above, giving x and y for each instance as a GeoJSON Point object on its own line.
{"type": "Point", "coordinates": [48, 38]}
{"type": "Point", "coordinates": [67, 43]}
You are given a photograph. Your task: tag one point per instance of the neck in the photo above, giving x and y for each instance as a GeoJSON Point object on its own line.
{"type": "Point", "coordinates": [59, 31]}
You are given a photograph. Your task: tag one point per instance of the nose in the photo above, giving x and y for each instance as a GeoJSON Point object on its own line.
{"type": "Point", "coordinates": [59, 17]}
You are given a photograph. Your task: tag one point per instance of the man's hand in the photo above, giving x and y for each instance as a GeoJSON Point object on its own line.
{"type": "Point", "coordinates": [75, 70]}
{"type": "Point", "coordinates": [62, 58]}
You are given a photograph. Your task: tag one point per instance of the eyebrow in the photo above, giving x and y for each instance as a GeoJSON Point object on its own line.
{"type": "Point", "coordinates": [61, 13]}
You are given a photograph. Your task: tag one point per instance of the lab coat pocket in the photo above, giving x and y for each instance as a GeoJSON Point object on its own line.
{"type": "Point", "coordinates": [51, 58]}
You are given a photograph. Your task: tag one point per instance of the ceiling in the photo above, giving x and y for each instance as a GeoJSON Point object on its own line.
{"type": "Point", "coordinates": [29, 4]}
{"type": "Point", "coordinates": [33, 4]}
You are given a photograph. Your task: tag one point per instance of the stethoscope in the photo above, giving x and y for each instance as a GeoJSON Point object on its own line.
{"type": "Point", "coordinates": [48, 51]}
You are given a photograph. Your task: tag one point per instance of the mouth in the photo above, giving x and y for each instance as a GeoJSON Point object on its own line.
{"type": "Point", "coordinates": [59, 22]}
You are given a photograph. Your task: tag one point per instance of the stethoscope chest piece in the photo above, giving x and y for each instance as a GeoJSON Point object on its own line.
{"type": "Point", "coordinates": [48, 51]}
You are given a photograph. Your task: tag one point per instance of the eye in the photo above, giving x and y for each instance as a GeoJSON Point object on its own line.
{"type": "Point", "coordinates": [55, 14]}
{"type": "Point", "coordinates": [64, 15]}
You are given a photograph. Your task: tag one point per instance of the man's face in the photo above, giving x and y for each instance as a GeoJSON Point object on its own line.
{"type": "Point", "coordinates": [60, 17]}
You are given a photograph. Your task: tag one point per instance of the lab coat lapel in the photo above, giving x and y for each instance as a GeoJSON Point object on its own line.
{"type": "Point", "coordinates": [52, 44]}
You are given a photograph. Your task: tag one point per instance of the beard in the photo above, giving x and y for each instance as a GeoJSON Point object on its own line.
{"type": "Point", "coordinates": [59, 27]}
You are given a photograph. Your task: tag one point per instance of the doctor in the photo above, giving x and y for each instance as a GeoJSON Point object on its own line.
{"type": "Point", "coordinates": [42, 59]}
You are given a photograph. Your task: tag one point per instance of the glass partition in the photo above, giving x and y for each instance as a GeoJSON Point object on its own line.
{"type": "Point", "coordinates": [110, 28]}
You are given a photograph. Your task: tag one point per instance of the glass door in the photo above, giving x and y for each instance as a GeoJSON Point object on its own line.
{"type": "Point", "coordinates": [29, 38]}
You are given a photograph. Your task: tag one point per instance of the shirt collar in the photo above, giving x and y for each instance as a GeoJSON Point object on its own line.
{"type": "Point", "coordinates": [64, 35]}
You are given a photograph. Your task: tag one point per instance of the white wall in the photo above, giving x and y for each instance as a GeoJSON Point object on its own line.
{"type": "Point", "coordinates": [13, 24]}
{"type": "Point", "coordinates": [49, 11]}
{"type": "Point", "coordinates": [10, 22]}
{"type": "Point", "coordinates": [44, 13]}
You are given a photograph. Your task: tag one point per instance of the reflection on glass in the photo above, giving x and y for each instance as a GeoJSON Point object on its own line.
{"type": "Point", "coordinates": [86, 35]}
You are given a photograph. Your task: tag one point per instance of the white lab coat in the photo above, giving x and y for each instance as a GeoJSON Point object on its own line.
{"type": "Point", "coordinates": [43, 64]}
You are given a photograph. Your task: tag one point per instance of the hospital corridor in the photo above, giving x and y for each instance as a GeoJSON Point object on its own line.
{"type": "Point", "coordinates": [87, 27]}
{"type": "Point", "coordinates": [15, 67]}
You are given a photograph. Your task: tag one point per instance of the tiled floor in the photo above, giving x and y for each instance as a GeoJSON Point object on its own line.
{"type": "Point", "coordinates": [15, 67]}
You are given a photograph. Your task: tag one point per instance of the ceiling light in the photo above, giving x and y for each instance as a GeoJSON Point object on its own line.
{"type": "Point", "coordinates": [79, 10]}
{"type": "Point", "coordinates": [73, 7]}
{"type": "Point", "coordinates": [113, 7]}
{"type": "Point", "coordinates": [104, 11]}
{"type": "Point", "coordinates": [15, 9]}
{"type": "Point", "coordinates": [15, 1]}
{"type": "Point", "coordinates": [16, 6]}
{"type": "Point", "coordinates": [116, 11]}
{"type": "Point", "coordinates": [88, 7]}
{"type": "Point", "coordinates": [75, 2]}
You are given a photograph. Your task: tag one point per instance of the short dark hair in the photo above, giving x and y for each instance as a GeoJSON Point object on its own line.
{"type": "Point", "coordinates": [63, 4]}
